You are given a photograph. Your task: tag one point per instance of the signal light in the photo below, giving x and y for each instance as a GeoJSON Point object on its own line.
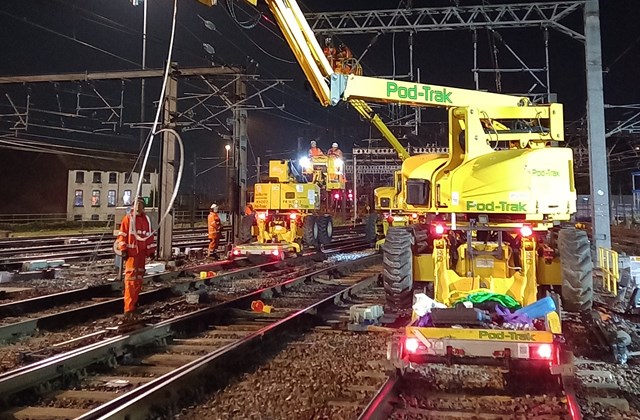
{"type": "Point", "coordinates": [526, 231]}
{"type": "Point", "coordinates": [411, 344]}
{"type": "Point", "coordinates": [336, 196]}
{"type": "Point", "coordinates": [545, 351]}
{"type": "Point", "coordinates": [439, 229]}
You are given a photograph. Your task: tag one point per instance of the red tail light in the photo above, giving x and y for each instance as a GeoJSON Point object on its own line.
{"type": "Point", "coordinates": [545, 351]}
{"type": "Point", "coordinates": [236, 252]}
{"type": "Point", "coordinates": [411, 344]}
{"type": "Point", "coordinates": [275, 252]}
{"type": "Point", "coordinates": [439, 229]}
{"type": "Point", "coordinates": [336, 196]}
{"type": "Point", "coordinates": [293, 216]}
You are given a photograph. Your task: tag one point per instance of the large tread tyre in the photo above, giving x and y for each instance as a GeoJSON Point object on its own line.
{"type": "Point", "coordinates": [397, 271]}
{"type": "Point", "coordinates": [577, 270]}
{"type": "Point", "coordinates": [371, 228]}
{"type": "Point", "coordinates": [246, 227]}
{"type": "Point", "coordinates": [310, 231]}
{"type": "Point", "coordinates": [325, 229]}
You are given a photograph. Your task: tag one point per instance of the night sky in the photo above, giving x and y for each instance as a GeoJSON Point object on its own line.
{"type": "Point", "coordinates": [55, 36]}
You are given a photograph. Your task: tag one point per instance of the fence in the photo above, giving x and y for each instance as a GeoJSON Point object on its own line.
{"type": "Point", "coordinates": [34, 217]}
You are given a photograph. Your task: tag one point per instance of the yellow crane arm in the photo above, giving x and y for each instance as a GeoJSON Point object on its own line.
{"type": "Point", "coordinates": [365, 110]}
{"type": "Point", "coordinates": [349, 87]}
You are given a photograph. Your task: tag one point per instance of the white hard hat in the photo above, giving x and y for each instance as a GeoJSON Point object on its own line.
{"type": "Point", "coordinates": [214, 205]}
{"type": "Point", "coordinates": [313, 142]}
{"type": "Point", "coordinates": [334, 145]}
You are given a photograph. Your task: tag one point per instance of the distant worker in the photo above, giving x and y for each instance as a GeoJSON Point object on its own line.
{"type": "Point", "coordinates": [335, 152]}
{"type": "Point", "coordinates": [343, 62]}
{"type": "Point", "coordinates": [213, 225]}
{"type": "Point", "coordinates": [314, 150]}
{"type": "Point", "coordinates": [329, 51]}
{"type": "Point", "coordinates": [135, 242]}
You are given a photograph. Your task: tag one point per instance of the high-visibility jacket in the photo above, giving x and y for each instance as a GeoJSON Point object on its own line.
{"type": "Point", "coordinates": [213, 224]}
{"type": "Point", "coordinates": [127, 240]}
{"type": "Point", "coordinates": [315, 151]}
{"type": "Point", "coordinates": [334, 152]}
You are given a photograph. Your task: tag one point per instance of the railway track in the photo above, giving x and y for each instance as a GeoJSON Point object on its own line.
{"type": "Point", "coordinates": [53, 323]}
{"type": "Point", "coordinates": [14, 254]}
{"type": "Point", "coordinates": [156, 368]}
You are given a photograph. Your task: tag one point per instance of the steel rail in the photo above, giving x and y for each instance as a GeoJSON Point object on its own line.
{"type": "Point", "coordinates": [73, 363]}
{"type": "Point", "coordinates": [166, 390]}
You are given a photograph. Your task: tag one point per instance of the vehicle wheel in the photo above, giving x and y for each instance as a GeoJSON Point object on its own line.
{"type": "Point", "coordinates": [245, 231]}
{"type": "Point", "coordinates": [325, 229]}
{"type": "Point", "coordinates": [577, 270]}
{"type": "Point", "coordinates": [310, 231]}
{"type": "Point", "coordinates": [397, 271]}
{"type": "Point", "coordinates": [370, 228]}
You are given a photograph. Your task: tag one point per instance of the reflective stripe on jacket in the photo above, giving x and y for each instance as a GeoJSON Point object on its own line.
{"type": "Point", "coordinates": [127, 240]}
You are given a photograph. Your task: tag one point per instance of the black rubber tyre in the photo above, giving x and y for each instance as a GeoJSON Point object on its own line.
{"type": "Point", "coordinates": [577, 270]}
{"type": "Point", "coordinates": [370, 228]}
{"type": "Point", "coordinates": [245, 231]}
{"type": "Point", "coordinates": [325, 229]}
{"type": "Point", "coordinates": [310, 231]}
{"type": "Point", "coordinates": [397, 272]}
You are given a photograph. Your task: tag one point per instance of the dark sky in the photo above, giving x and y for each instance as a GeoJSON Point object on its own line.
{"type": "Point", "coordinates": [52, 36]}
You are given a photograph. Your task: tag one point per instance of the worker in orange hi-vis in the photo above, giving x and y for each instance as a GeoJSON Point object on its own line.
{"type": "Point", "coordinates": [314, 150]}
{"type": "Point", "coordinates": [213, 226]}
{"type": "Point", "coordinates": [136, 242]}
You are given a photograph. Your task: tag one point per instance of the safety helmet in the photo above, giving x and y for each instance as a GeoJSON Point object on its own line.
{"type": "Point", "coordinates": [334, 145]}
{"type": "Point", "coordinates": [214, 206]}
{"type": "Point", "coordinates": [313, 143]}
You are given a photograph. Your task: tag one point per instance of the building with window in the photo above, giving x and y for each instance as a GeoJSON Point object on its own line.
{"type": "Point", "coordinates": [94, 195]}
{"type": "Point", "coordinates": [71, 187]}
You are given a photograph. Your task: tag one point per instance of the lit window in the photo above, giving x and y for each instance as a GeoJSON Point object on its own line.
{"type": "Point", "coordinates": [79, 177]}
{"type": "Point", "coordinates": [95, 198]}
{"type": "Point", "coordinates": [111, 198]}
{"type": "Point", "coordinates": [113, 178]}
{"type": "Point", "coordinates": [97, 177]}
{"type": "Point", "coordinates": [78, 202]}
{"type": "Point", "coordinates": [126, 197]}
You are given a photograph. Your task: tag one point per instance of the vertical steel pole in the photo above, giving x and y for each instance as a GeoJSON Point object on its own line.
{"type": "Point", "coordinates": [596, 123]}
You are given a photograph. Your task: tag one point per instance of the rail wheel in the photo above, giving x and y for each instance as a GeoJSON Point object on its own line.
{"type": "Point", "coordinates": [577, 269]}
{"type": "Point", "coordinates": [397, 272]}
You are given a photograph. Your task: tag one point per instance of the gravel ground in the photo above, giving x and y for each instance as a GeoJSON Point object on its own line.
{"type": "Point", "coordinates": [44, 342]}
{"type": "Point", "coordinates": [324, 375]}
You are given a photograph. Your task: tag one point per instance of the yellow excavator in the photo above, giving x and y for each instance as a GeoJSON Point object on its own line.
{"type": "Point", "coordinates": [487, 216]}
